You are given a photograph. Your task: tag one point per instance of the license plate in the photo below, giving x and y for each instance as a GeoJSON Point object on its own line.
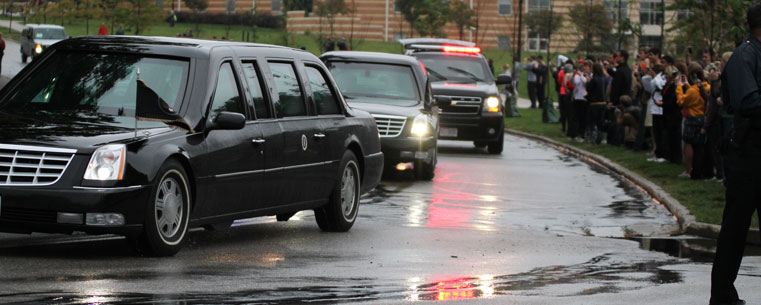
{"type": "Point", "coordinates": [447, 132]}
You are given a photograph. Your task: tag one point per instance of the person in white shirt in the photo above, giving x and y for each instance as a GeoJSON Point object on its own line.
{"type": "Point", "coordinates": [577, 124]}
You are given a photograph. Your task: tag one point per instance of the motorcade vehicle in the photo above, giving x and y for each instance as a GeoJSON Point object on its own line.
{"type": "Point", "coordinates": [396, 91]}
{"type": "Point", "coordinates": [36, 38]}
{"type": "Point", "coordinates": [459, 72]}
{"type": "Point", "coordinates": [147, 136]}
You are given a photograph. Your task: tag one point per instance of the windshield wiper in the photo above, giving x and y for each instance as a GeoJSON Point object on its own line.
{"type": "Point", "coordinates": [437, 74]}
{"type": "Point", "coordinates": [473, 76]}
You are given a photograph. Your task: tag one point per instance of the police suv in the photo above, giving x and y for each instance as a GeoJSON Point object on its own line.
{"type": "Point", "coordinates": [458, 71]}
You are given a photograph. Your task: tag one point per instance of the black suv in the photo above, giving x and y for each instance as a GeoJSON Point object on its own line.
{"type": "Point", "coordinates": [396, 91]}
{"type": "Point", "coordinates": [459, 72]}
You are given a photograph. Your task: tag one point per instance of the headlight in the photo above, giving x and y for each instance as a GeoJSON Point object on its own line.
{"type": "Point", "coordinates": [420, 126]}
{"type": "Point", "coordinates": [492, 104]}
{"type": "Point", "coordinates": [107, 163]}
{"type": "Point", "coordinates": [38, 49]}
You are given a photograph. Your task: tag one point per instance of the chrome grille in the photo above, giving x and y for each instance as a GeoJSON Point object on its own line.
{"type": "Point", "coordinates": [463, 104]}
{"type": "Point", "coordinates": [389, 125]}
{"type": "Point", "coordinates": [32, 165]}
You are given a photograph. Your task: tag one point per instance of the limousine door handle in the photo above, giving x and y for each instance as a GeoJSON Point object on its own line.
{"type": "Point", "coordinates": [319, 136]}
{"type": "Point", "coordinates": [258, 141]}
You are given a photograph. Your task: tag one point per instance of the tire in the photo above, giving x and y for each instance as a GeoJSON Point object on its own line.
{"type": "Point", "coordinates": [167, 213]}
{"type": "Point", "coordinates": [496, 147]}
{"type": "Point", "coordinates": [340, 213]}
{"type": "Point", "coordinates": [426, 170]}
{"type": "Point", "coordinates": [23, 58]}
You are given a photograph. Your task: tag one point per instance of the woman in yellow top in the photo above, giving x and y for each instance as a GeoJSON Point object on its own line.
{"type": "Point", "coordinates": [692, 101]}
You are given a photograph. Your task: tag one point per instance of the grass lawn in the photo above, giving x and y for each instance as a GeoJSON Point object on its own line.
{"type": "Point", "coordinates": [704, 198]}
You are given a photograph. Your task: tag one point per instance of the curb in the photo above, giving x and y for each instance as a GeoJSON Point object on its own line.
{"type": "Point", "coordinates": [686, 220]}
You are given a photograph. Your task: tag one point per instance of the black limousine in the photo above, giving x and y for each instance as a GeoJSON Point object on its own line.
{"type": "Point", "coordinates": [396, 91]}
{"type": "Point", "coordinates": [146, 137]}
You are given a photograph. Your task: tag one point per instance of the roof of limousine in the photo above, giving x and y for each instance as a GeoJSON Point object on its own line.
{"type": "Point", "coordinates": [173, 46]}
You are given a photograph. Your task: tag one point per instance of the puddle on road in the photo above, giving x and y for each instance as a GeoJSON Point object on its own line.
{"type": "Point", "coordinates": [609, 273]}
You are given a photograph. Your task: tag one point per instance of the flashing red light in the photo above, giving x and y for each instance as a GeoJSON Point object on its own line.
{"type": "Point", "coordinates": [456, 49]}
{"type": "Point", "coordinates": [423, 66]}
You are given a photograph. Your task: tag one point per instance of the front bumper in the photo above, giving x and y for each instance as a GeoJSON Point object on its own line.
{"type": "Point", "coordinates": [36, 209]}
{"type": "Point", "coordinates": [485, 127]}
{"type": "Point", "coordinates": [372, 173]}
{"type": "Point", "coordinates": [408, 149]}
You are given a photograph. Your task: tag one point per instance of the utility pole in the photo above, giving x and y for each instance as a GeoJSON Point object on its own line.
{"type": "Point", "coordinates": [663, 24]}
{"type": "Point", "coordinates": [520, 30]}
{"type": "Point", "coordinates": [549, 38]}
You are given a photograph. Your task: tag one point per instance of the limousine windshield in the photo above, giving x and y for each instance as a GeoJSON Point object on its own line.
{"type": "Point", "coordinates": [96, 88]}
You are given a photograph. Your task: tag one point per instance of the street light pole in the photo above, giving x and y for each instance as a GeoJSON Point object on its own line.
{"type": "Point", "coordinates": [520, 29]}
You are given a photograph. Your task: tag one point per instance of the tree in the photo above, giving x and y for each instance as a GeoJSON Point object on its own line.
{"type": "Point", "coordinates": [433, 17]}
{"type": "Point", "coordinates": [711, 25]}
{"type": "Point", "coordinates": [543, 22]}
{"type": "Point", "coordinates": [409, 12]}
{"type": "Point", "coordinates": [462, 16]}
{"type": "Point", "coordinates": [63, 9]}
{"type": "Point", "coordinates": [330, 9]}
{"type": "Point", "coordinates": [591, 20]}
{"type": "Point", "coordinates": [86, 11]}
{"type": "Point", "coordinates": [197, 6]}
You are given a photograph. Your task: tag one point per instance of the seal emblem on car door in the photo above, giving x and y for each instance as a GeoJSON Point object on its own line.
{"type": "Point", "coordinates": [304, 143]}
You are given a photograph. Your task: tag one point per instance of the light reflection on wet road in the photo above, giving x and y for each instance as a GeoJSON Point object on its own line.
{"type": "Point", "coordinates": [530, 226]}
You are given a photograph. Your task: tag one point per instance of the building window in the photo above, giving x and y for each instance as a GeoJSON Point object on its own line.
{"type": "Point", "coordinates": [230, 6]}
{"type": "Point", "coordinates": [650, 13]}
{"type": "Point", "coordinates": [503, 42]}
{"type": "Point", "coordinates": [397, 7]}
{"type": "Point", "coordinates": [610, 8]}
{"type": "Point", "coordinates": [398, 36]}
{"type": "Point", "coordinates": [276, 5]}
{"type": "Point", "coordinates": [650, 41]}
{"type": "Point", "coordinates": [538, 5]}
{"type": "Point", "coordinates": [537, 42]}
{"type": "Point", "coordinates": [682, 14]}
{"type": "Point", "coordinates": [505, 7]}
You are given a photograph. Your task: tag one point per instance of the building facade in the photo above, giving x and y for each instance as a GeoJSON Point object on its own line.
{"type": "Point", "coordinates": [496, 21]}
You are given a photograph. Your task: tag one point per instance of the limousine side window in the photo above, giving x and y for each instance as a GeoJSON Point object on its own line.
{"type": "Point", "coordinates": [323, 97]}
{"type": "Point", "coordinates": [291, 101]}
{"type": "Point", "coordinates": [255, 89]}
{"type": "Point", "coordinates": [226, 96]}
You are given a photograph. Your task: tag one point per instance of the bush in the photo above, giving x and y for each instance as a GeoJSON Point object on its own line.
{"type": "Point", "coordinates": [264, 20]}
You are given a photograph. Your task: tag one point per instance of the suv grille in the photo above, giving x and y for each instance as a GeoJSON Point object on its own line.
{"type": "Point", "coordinates": [32, 165]}
{"type": "Point", "coordinates": [463, 104]}
{"type": "Point", "coordinates": [389, 126]}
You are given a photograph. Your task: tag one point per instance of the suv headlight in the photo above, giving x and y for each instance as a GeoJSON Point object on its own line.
{"type": "Point", "coordinates": [38, 49]}
{"type": "Point", "coordinates": [420, 126]}
{"type": "Point", "coordinates": [491, 104]}
{"type": "Point", "coordinates": [107, 163]}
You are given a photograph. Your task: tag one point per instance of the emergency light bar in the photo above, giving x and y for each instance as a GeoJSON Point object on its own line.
{"type": "Point", "coordinates": [444, 48]}
{"type": "Point", "coordinates": [456, 49]}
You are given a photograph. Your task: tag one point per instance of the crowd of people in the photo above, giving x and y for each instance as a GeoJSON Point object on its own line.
{"type": "Point", "coordinates": [670, 108]}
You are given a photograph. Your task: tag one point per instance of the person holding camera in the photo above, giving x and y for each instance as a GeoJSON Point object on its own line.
{"type": "Point", "coordinates": [692, 95]}
{"type": "Point", "coordinates": [740, 91]}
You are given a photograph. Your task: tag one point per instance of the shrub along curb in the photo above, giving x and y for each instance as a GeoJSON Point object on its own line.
{"type": "Point", "coordinates": [686, 220]}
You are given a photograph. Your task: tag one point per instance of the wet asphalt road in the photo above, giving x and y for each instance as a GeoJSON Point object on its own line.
{"type": "Point", "coordinates": [530, 226]}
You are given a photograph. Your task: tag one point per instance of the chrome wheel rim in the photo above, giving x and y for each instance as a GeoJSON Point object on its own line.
{"type": "Point", "coordinates": [169, 210]}
{"type": "Point", "coordinates": [349, 190]}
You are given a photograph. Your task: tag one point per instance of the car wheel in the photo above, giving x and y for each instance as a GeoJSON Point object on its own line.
{"type": "Point", "coordinates": [497, 146]}
{"type": "Point", "coordinates": [341, 211]}
{"type": "Point", "coordinates": [168, 212]}
{"type": "Point", "coordinates": [23, 58]}
{"type": "Point", "coordinates": [426, 170]}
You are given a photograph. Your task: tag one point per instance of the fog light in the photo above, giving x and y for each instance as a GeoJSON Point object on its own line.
{"type": "Point", "coordinates": [492, 131]}
{"type": "Point", "coordinates": [105, 219]}
{"type": "Point", "coordinates": [70, 218]}
{"type": "Point", "coordinates": [403, 166]}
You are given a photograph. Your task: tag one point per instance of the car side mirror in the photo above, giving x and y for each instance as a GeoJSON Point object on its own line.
{"type": "Point", "coordinates": [226, 120]}
{"type": "Point", "coordinates": [443, 101]}
{"type": "Point", "coordinates": [503, 79]}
